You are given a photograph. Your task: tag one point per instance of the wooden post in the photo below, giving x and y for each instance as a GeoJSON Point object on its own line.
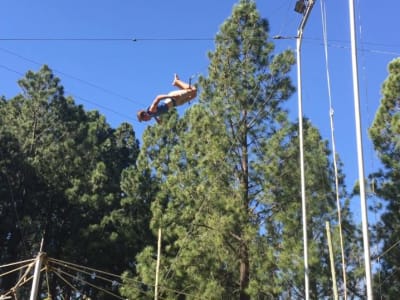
{"type": "Point", "coordinates": [334, 285]}
{"type": "Point", "coordinates": [158, 264]}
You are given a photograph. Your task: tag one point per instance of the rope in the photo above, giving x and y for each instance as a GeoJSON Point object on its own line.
{"type": "Point", "coordinates": [387, 250]}
{"type": "Point", "coordinates": [87, 283]}
{"type": "Point", "coordinates": [124, 116]}
{"type": "Point", "coordinates": [80, 267]}
{"type": "Point", "coordinates": [17, 263]}
{"type": "Point", "coordinates": [65, 281]}
{"type": "Point", "coordinates": [23, 280]}
{"type": "Point", "coordinates": [323, 14]}
{"type": "Point", "coordinates": [371, 150]}
{"type": "Point", "coordinates": [105, 39]}
{"type": "Point", "coordinates": [12, 271]}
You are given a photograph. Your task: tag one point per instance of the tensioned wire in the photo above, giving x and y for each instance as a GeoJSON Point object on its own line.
{"type": "Point", "coordinates": [74, 95]}
{"type": "Point", "coordinates": [91, 271]}
{"type": "Point", "coordinates": [331, 113]}
{"type": "Point", "coordinates": [105, 39]}
{"type": "Point", "coordinates": [57, 267]}
{"type": "Point", "coordinates": [78, 97]}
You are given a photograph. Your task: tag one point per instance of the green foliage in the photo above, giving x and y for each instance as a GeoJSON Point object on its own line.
{"type": "Point", "coordinates": [222, 184]}
{"type": "Point", "coordinates": [227, 178]}
{"type": "Point", "coordinates": [385, 134]}
{"type": "Point", "coordinates": [61, 172]}
{"type": "Point", "coordinates": [210, 167]}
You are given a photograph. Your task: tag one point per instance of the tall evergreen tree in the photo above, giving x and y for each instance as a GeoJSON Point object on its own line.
{"type": "Point", "coordinates": [246, 87]}
{"type": "Point", "coordinates": [281, 211]}
{"type": "Point", "coordinates": [229, 199]}
{"type": "Point", "coordinates": [385, 133]}
{"type": "Point", "coordinates": [211, 182]}
{"type": "Point", "coordinates": [145, 186]}
{"type": "Point", "coordinates": [63, 167]}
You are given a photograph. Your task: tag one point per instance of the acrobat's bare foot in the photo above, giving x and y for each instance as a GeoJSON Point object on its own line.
{"type": "Point", "coordinates": [176, 78]}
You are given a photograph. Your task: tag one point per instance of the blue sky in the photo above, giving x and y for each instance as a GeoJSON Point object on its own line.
{"type": "Point", "coordinates": [107, 70]}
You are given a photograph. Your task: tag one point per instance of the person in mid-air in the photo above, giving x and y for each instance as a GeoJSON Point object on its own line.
{"type": "Point", "coordinates": [185, 93]}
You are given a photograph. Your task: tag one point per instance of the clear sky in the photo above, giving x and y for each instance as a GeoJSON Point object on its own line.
{"type": "Point", "coordinates": [115, 56]}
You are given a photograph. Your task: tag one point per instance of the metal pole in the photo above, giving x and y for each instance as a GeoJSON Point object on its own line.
{"type": "Point", "coordinates": [36, 276]}
{"type": "Point", "coordinates": [302, 176]}
{"type": "Point", "coordinates": [360, 151]}
{"type": "Point", "coordinates": [301, 145]}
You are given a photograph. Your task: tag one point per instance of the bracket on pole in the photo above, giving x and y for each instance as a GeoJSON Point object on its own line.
{"type": "Point", "coordinates": [300, 7]}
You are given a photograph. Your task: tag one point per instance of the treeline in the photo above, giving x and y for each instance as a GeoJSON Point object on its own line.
{"type": "Point", "coordinates": [62, 176]}
{"type": "Point", "coordinates": [221, 182]}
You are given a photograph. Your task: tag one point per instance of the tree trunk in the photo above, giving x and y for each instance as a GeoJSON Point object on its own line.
{"type": "Point", "coordinates": [244, 271]}
{"type": "Point", "coordinates": [244, 251]}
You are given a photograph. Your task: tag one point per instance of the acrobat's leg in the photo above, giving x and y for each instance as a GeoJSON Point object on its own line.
{"type": "Point", "coordinates": [180, 84]}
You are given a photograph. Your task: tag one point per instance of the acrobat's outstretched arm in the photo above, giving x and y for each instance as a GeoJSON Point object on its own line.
{"type": "Point", "coordinates": [156, 101]}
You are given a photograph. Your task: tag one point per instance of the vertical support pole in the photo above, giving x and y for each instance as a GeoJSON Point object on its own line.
{"type": "Point", "coordinates": [302, 176]}
{"type": "Point", "coordinates": [303, 22]}
{"type": "Point", "coordinates": [332, 261]}
{"type": "Point", "coordinates": [158, 264]}
{"type": "Point", "coordinates": [360, 159]}
{"type": "Point", "coordinates": [36, 276]}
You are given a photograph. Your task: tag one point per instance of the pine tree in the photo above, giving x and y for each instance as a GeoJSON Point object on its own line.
{"type": "Point", "coordinates": [208, 190]}
{"type": "Point", "coordinates": [145, 185]}
{"type": "Point", "coordinates": [283, 219]}
{"type": "Point", "coordinates": [246, 87]}
{"type": "Point", "coordinates": [63, 166]}
{"type": "Point", "coordinates": [228, 177]}
{"type": "Point", "coordinates": [385, 132]}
